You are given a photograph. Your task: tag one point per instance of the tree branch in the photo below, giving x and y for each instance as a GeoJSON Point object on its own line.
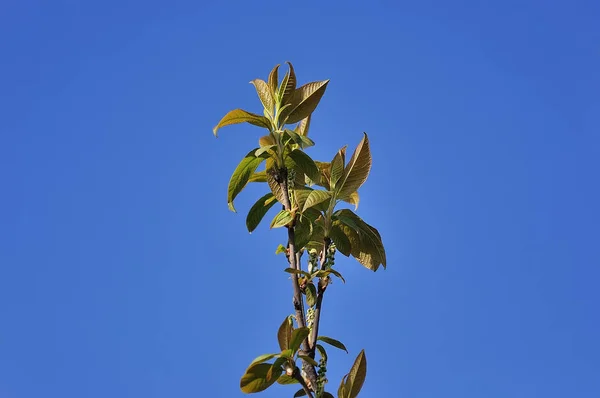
{"type": "Point", "coordinates": [298, 301]}
{"type": "Point", "coordinates": [322, 285]}
{"type": "Point", "coordinates": [298, 377]}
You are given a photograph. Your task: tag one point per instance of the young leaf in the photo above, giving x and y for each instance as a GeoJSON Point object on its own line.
{"type": "Point", "coordinates": [255, 379]}
{"type": "Point", "coordinates": [353, 199]}
{"type": "Point", "coordinates": [262, 358]}
{"type": "Point", "coordinates": [305, 101]}
{"type": "Point", "coordinates": [264, 94]}
{"type": "Point", "coordinates": [270, 149]}
{"type": "Point", "coordinates": [342, 393]}
{"type": "Point", "coordinates": [336, 273]}
{"type": "Point", "coordinates": [308, 359]}
{"type": "Point", "coordinates": [273, 81]}
{"type": "Point", "coordinates": [356, 171]}
{"type": "Point", "coordinates": [240, 116]}
{"type": "Point", "coordinates": [241, 175]}
{"type": "Point", "coordinates": [311, 294]}
{"type": "Point", "coordinates": [357, 375]}
{"type": "Point", "coordinates": [333, 342]}
{"type": "Point", "coordinates": [316, 197]}
{"type": "Point", "coordinates": [298, 336]}
{"type": "Point", "coordinates": [297, 271]}
{"type": "Point", "coordinates": [259, 176]}
{"type": "Point", "coordinates": [337, 167]}
{"type": "Point", "coordinates": [284, 334]}
{"type": "Point", "coordinates": [303, 126]}
{"type": "Point", "coordinates": [305, 164]}
{"type": "Point", "coordinates": [288, 85]}
{"type": "Point", "coordinates": [276, 367]}
{"type": "Point", "coordinates": [283, 218]}
{"type": "Point", "coordinates": [258, 211]}
{"type": "Point", "coordinates": [266, 140]}
{"type": "Point", "coordinates": [280, 249]}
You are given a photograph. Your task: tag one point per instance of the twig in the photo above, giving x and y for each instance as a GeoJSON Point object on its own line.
{"type": "Point", "coordinates": [322, 285]}
{"type": "Point", "coordinates": [300, 379]}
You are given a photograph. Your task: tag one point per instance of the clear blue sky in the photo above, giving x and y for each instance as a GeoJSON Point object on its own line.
{"type": "Point", "coordinates": [123, 274]}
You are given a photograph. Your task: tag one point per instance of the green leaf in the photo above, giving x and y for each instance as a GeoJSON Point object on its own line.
{"type": "Point", "coordinates": [288, 85]}
{"type": "Point", "coordinates": [337, 167]}
{"type": "Point", "coordinates": [270, 149]}
{"type": "Point", "coordinates": [283, 218]}
{"type": "Point", "coordinates": [262, 358]}
{"type": "Point", "coordinates": [301, 193]}
{"type": "Point", "coordinates": [280, 249]}
{"type": "Point", "coordinates": [276, 368]}
{"type": "Point", "coordinates": [241, 175]}
{"type": "Point", "coordinates": [357, 375]}
{"type": "Point", "coordinates": [300, 393]}
{"type": "Point", "coordinates": [284, 379]}
{"type": "Point", "coordinates": [311, 294]}
{"type": "Point", "coordinates": [297, 271]}
{"type": "Point", "coordinates": [308, 359]}
{"type": "Point", "coordinates": [255, 379]}
{"type": "Point", "coordinates": [258, 211]}
{"type": "Point", "coordinates": [322, 352]}
{"type": "Point", "coordinates": [305, 164]}
{"type": "Point", "coordinates": [287, 354]}
{"type": "Point", "coordinates": [303, 231]}
{"type": "Point", "coordinates": [284, 334]}
{"type": "Point", "coordinates": [298, 336]}
{"type": "Point", "coordinates": [316, 197]}
{"type": "Point", "coordinates": [273, 80]}
{"type": "Point", "coordinates": [336, 273]}
{"type": "Point", "coordinates": [240, 116]}
{"type": "Point", "coordinates": [305, 100]}
{"type": "Point", "coordinates": [333, 342]}
{"type": "Point", "coordinates": [356, 171]}
{"type": "Point", "coordinates": [327, 395]}
{"type": "Point", "coordinates": [367, 246]}
{"type": "Point", "coordinates": [264, 94]}
{"type": "Point", "coordinates": [259, 176]}
{"type": "Point", "coordinates": [301, 140]}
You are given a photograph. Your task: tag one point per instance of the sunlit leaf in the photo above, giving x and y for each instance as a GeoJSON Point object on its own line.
{"type": "Point", "coordinates": [259, 176]}
{"type": "Point", "coordinates": [240, 116]}
{"type": "Point", "coordinates": [357, 375]}
{"type": "Point", "coordinates": [284, 334]}
{"type": "Point", "coordinates": [255, 379]}
{"type": "Point", "coordinates": [305, 100]}
{"type": "Point", "coordinates": [266, 140]}
{"type": "Point", "coordinates": [315, 197]}
{"type": "Point", "coordinates": [258, 211]}
{"type": "Point", "coordinates": [298, 336]}
{"type": "Point", "coordinates": [337, 167]}
{"type": "Point", "coordinates": [297, 271]}
{"type": "Point", "coordinates": [342, 393]}
{"type": "Point", "coordinates": [241, 175]}
{"type": "Point", "coordinates": [262, 358]}
{"type": "Point", "coordinates": [264, 94]}
{"type": "Point", "coordinates": [270, 149]}
{"type": "Point", "coordinates": [288, 85]}
{"type": "Point", "coordinates": [283, 218]}
{"type": "Point", "coordinates": [333, 342]}
{"type": "Point", "coordinates": [340, 233]}
{"type": "Point", "coordinates": [280, 249]}
{"type": "Point", "coordinates": [303, 127]}
{"type": "Point", "coordinates": [273, 81]}
{"type": "Point", "coordinates": [275, 187]}
{"type": "Point", "coordinates": [356, 171]}
{"type": "Point", "coordinates": [353, 199]}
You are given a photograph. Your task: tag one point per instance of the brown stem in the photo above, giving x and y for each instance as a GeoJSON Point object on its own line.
{"type": "Point", "coordinates": [298, 377]}
{"type": "Point", "coordinates": [322, 285]}
{"type": "Point", "coordinates": [295, 264]}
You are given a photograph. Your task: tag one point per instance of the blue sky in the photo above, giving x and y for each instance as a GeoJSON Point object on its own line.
{"type": "Point", "coordinates": [125, 275]}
